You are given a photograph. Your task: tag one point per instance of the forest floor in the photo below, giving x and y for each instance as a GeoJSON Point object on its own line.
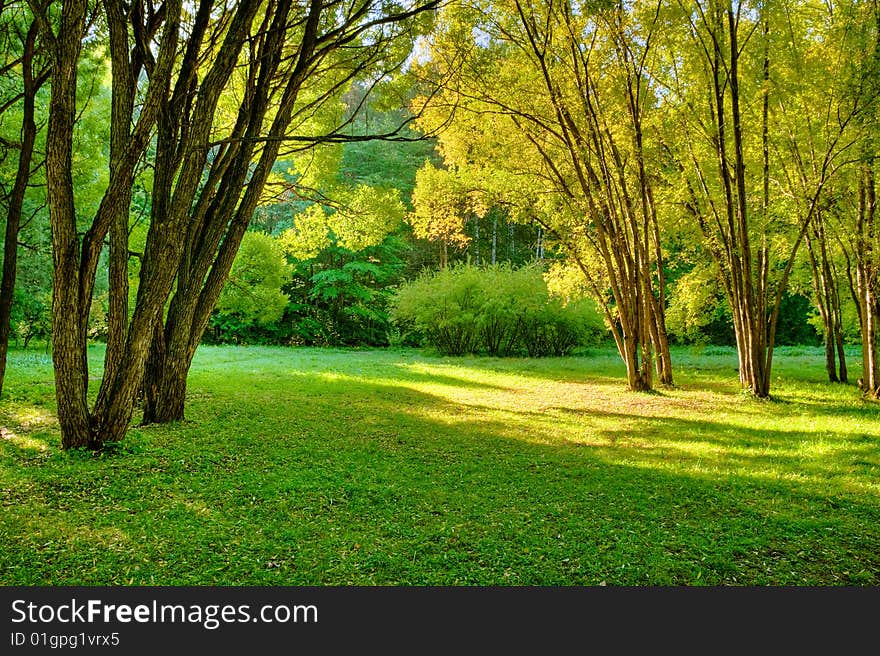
{"type": "Point", "coordinates": [309, 466]}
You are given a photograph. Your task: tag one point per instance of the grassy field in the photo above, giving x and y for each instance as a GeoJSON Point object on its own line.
{"type": "Point", "coordinates": [340, 467]}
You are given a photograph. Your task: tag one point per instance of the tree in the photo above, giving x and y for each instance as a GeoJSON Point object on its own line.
{"type": "Point", "coordinates": [740, 148]}
{"type": "Point", "coordinates": [867, 275]}
{"type": "Point", "coordinates": [550, 102]}
{"type": "Point", "coordinates": [171, 66]}
{"type": "Point", "coordinates": [299, 74]}
{"type": "Point", "coordinates": [252, 293]}
{"type": "Point", "coordinates": [825, 280]}
{"type": "Point", "coordinates": [441, 208]}
{"type": "Point", "coordinates": [864, 253]}
{"type": "Point", "coordinates": [19, 36]}
{"type": "Point", "coordinates": [857, 238]}
{"type": "Point", "coordinates": [141, 40]}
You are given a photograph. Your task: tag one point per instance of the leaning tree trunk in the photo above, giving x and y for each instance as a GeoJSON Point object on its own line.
{"type": "Point", "coordinates": [627, 324]}
{"type": "Point", "coordinates": [212, 202]}
{"type": "Point", "coordinates": [219, 217]}
{"type": "Point", "coordinates": [660, 340]}
{"type": "Point", "coordinates": [218, 223]}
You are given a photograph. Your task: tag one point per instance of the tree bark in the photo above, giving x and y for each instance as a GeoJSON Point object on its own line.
{"type": "Point", "coordinates": [196, 225]}
{"type": "Point", "coordinates": [68, 342]}
{"type": "Point", "coordinates": [624, 215]}
{"type": "Point", "coordinates": [827, 301]}
{"type": "Point", "coordinates": [75, 258]}
{"type": "Point", "coordinates": [727, 224]}
{"type": "Point", "coordinates": [123, 80]}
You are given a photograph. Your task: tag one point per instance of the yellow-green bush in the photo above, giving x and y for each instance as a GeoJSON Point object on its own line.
{"type": "Point", "coordinates": [497, 310]}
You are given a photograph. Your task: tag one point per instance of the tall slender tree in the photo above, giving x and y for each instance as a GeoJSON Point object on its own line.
{"type": "Point", "coordinates": [19, 34]}
{"type": "Point", "coordinates": [567, 92]}
{"type": "Point", "coordinates": [826, 279]}
{"type": "Point", "coordinates": [732, 104]}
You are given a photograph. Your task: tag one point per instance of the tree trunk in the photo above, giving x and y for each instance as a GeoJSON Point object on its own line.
{"type": "Point", "coordinates": [827, 301]}
{"type": "Point", "coordinates": [75, 258]}
{"type": "Point", "coordinates": [150, 386]}
{"type": "Point", "coordinates": [494, 237]}
{"type": "Point", "coordinates": [843, 372]}
{"type": "Point", "coordinates": [637, 371]}
{"type": "Point", "coordinates": [123, 84]}
{"type": "Point", "coordinates": [660, 340]}
{"type": "Point", "coordinates": [68, 345]}
{"type": "Point", "coordinates": [866, 281]}
{"type": "Point", "coordinates": [169, 401]}
{"type": "Point", "coordinates": [476, 240]}
{"type": "Point", "coordinates": [822, 303]}
{"type": "Point", "coordinates": [218, 224]}
{"type": "Point", "coordinates": [511, 244]}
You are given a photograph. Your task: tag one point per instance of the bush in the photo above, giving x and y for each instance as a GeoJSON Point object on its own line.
{"type": "Point", "coordinates": [557, 329]}
{"type": "Point", "coordinates": [252, 295]}
{"type": "Point", "coordinates": [31, 316]}
{"type": "Point", "coordinates": [499, 311]}
{"type": "Point", "coordinates": [444, 307]}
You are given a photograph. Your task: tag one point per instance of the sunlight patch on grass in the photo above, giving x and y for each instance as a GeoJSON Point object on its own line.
{"type": "Point", "coordinates": [23, 441]}
{"type": "Point", "coordinates": [27, 426]}
{"type": "Point", "coordinates": [28, 417]}
{"type": "Point", "coordinates": [197, 507]}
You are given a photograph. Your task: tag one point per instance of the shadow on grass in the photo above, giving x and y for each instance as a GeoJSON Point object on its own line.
{"type": "Point", "coordinates": [342, 480]}
{"type": "Point", "coordinates": [395, 416]}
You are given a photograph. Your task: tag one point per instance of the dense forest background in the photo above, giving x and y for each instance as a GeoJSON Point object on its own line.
{"type": "Point", "coordinates": [296, 282]}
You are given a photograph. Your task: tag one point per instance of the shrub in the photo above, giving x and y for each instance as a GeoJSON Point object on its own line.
{"type": "Point", "coordinates": [444, 307]}
{"type": "Point", "coordinates": [31, 316]}
{"type": "Point", "coordinates": [499, 310]}
{"type": "Point", "coordinates": [513, 301]}
{"type": "Point", "coordinates": [557, 329]}
{"type": "Point", "coordinates": [252, 294]}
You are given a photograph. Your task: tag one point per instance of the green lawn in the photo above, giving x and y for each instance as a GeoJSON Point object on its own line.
{"type": "Point", "coordinates": [338, 467]}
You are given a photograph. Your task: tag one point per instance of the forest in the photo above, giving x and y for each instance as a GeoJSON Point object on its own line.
{"type": "Point", "coordinates": [412, 232]}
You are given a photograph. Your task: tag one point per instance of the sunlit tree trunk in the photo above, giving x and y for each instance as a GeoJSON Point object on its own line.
{"type": "Point", "coordinates": [494, 237]}
{"type": "Point", "coordinates": [827, 301]}
{"type": "Point", "coordinates": [736, 233]}
{"type": "Point", "coordinates": [867, 282]}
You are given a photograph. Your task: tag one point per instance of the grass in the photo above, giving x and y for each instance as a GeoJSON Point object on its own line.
{"type": "Point", "coordinates": [364, 467]}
